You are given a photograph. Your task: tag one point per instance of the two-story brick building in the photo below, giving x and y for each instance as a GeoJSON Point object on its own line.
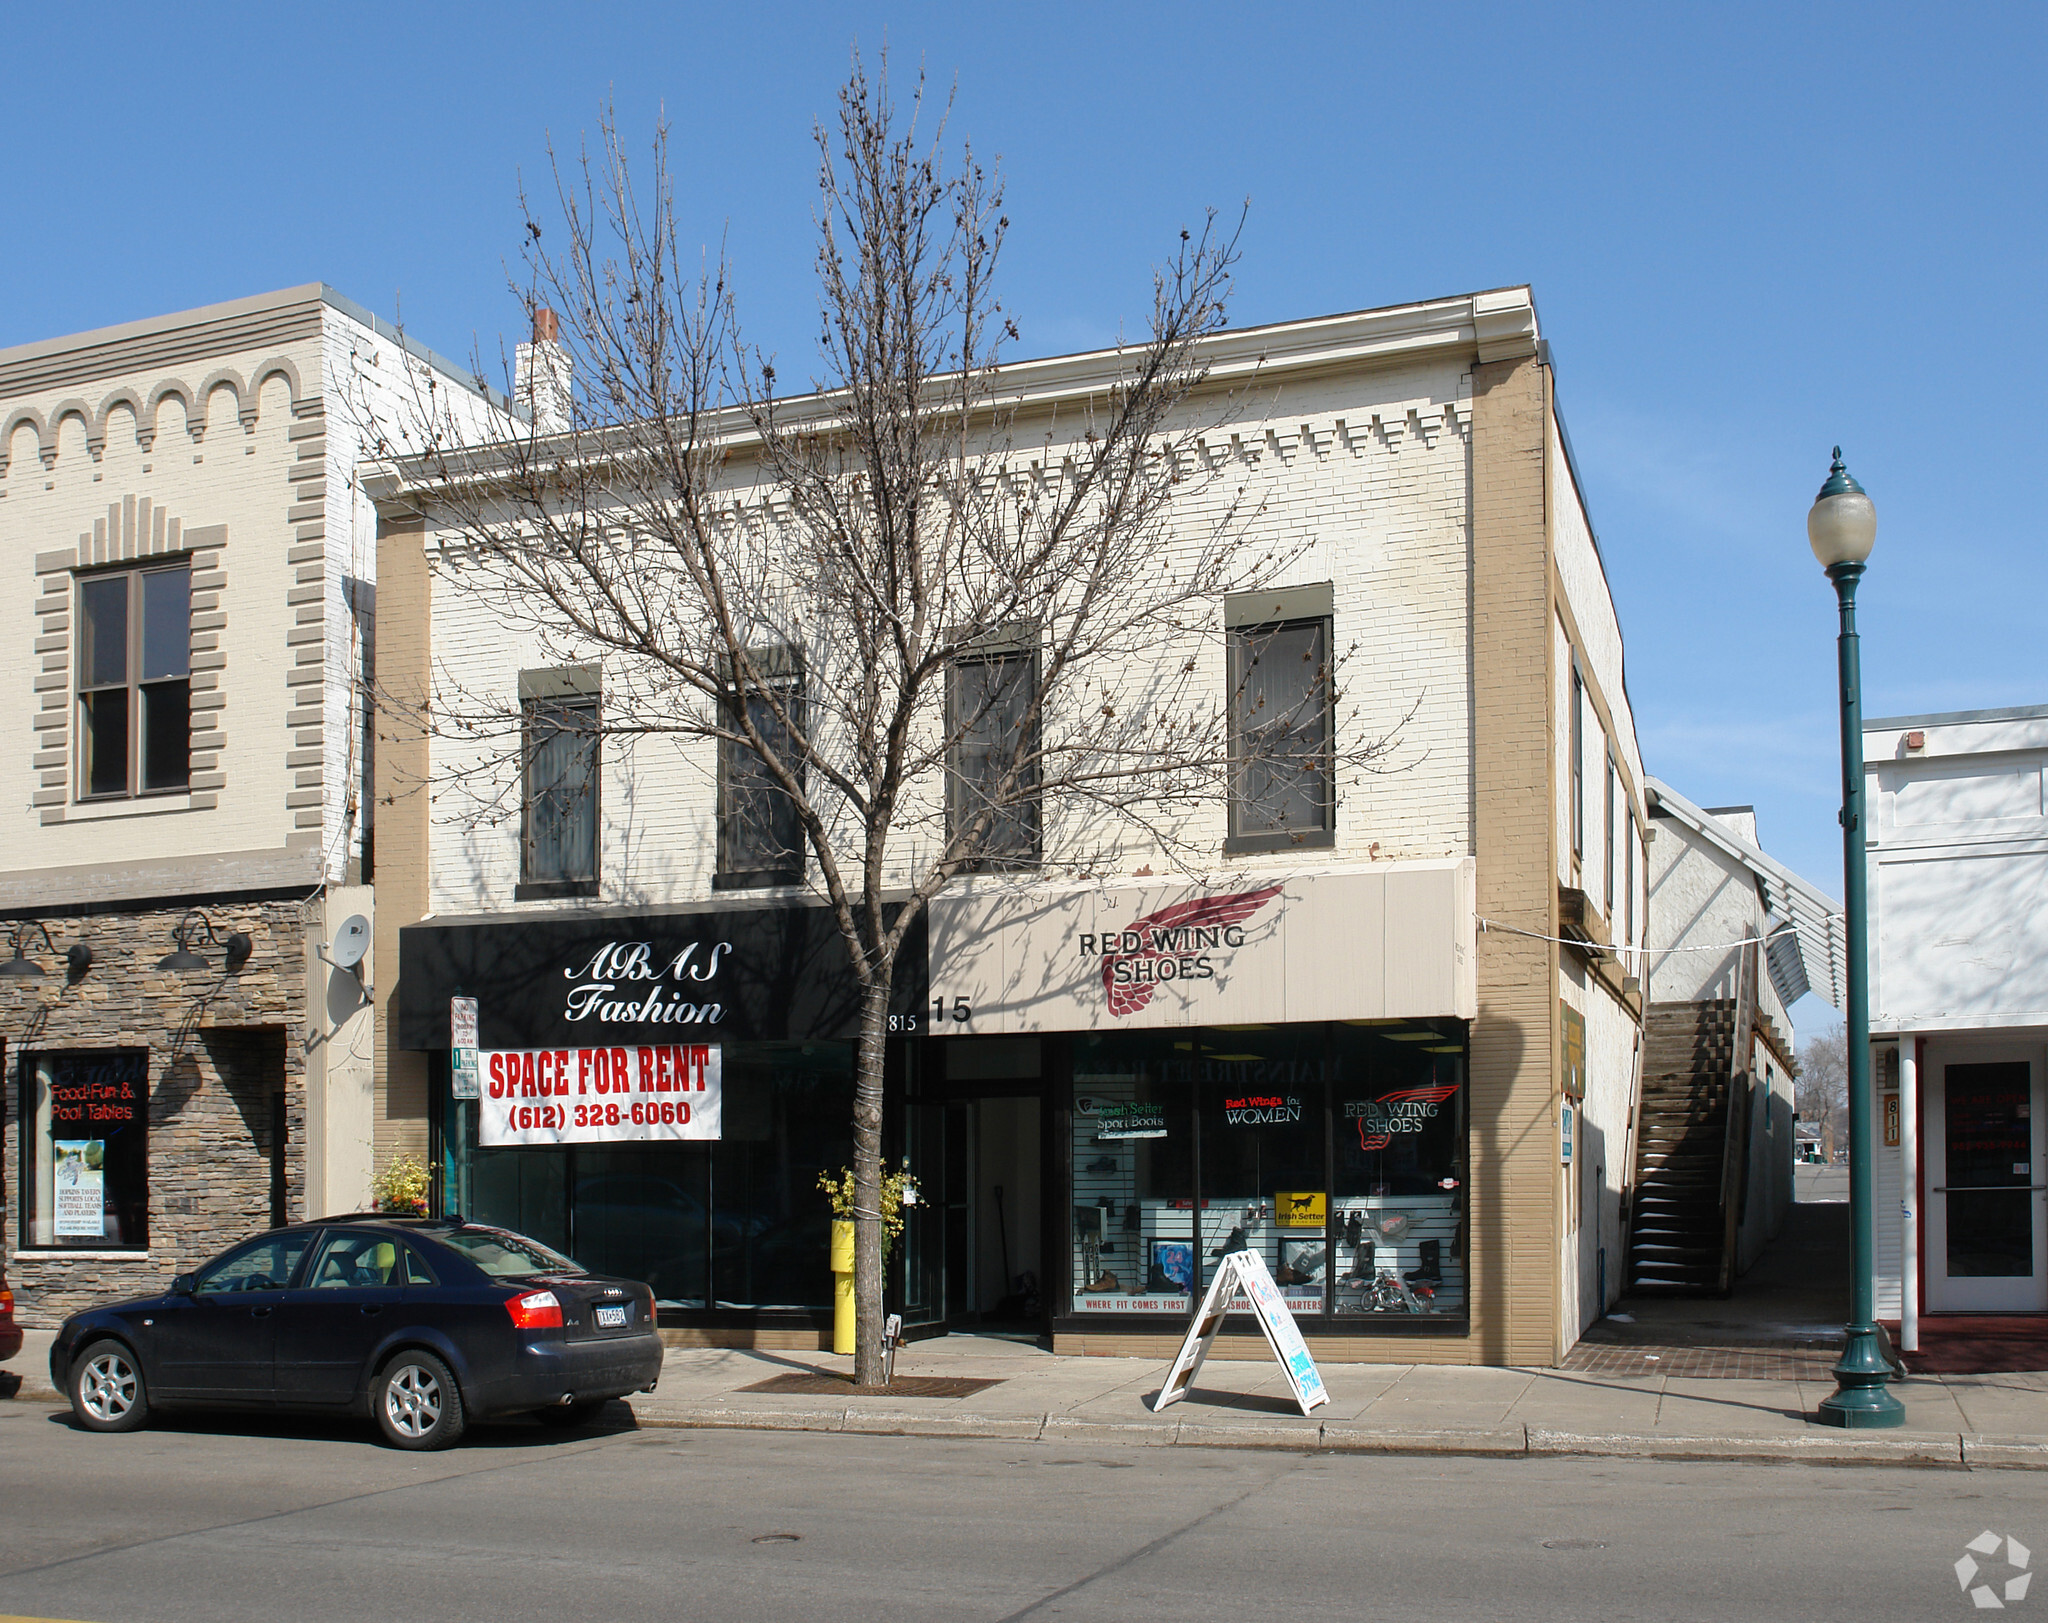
{"type": "Point", "coordinates": [1394, 1050]}
{"type": "Point", "coordinates": [191, 569]}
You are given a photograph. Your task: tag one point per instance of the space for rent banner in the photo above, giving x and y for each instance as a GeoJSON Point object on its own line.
{"type": "Point", "coordinates": [599, 1095]}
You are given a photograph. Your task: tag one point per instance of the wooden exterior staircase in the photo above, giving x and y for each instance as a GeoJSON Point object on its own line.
{"type": "Point", "coordinates": [1691, 1141]}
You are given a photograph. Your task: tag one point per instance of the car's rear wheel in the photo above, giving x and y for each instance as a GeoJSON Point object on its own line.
{"type": "Point", "coordinates": [417, 1403]}
{"type": "Point", "coordinates": [108, 1392]}
{"type": "Point", "coordinates": [568, 1415]}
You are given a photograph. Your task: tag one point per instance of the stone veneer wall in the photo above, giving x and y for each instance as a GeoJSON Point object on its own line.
{"type": "Point", "coordinates": [219, 1046]}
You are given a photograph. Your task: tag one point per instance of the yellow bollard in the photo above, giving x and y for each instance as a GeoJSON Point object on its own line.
{"type": "Point", "coordinates": [842, 1285]}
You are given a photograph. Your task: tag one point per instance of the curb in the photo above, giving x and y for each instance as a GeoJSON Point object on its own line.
{"type": "Point", "coordinates": [1928, 1451]}
{"type": "Point", "coordinates": [1939, 1449]}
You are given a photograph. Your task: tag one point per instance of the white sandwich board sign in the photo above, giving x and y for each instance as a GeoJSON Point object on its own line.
{"type": "Point", "coordinates": [1246, 1271]}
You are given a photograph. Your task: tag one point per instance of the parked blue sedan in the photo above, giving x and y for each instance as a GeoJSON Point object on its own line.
{"type": "Point", "coordinates": [425, 1323]}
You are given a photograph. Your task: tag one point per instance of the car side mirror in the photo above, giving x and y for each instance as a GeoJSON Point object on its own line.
{"type": "Point", "coordinates": [183, 1284]}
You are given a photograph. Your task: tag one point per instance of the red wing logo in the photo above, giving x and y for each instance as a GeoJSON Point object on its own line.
{"type": "Point", "coordinates": [1387, 1113]}
{"type": "Point", "coordinates": [1169, 945]}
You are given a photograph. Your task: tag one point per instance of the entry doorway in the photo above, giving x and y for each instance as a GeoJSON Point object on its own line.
{"type": "Point", "coordinates": [974, 1244]}
{"type": "Point", "coordinates": [1987, 1180]}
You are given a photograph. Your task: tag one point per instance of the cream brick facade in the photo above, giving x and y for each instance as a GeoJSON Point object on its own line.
{"type": "Point", "coordinates": [1412, 459]}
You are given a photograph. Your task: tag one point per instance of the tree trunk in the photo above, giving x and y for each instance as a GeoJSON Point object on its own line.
{"type": "Point", "coordinates": [869, 1058]}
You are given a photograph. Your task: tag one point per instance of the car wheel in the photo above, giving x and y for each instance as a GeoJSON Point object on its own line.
{"type": "Point", "coordinates": [565, 1416]}
{"type": "Point", "coordinates": [107, 1389]}
{"type": "Point", "coordinates": [417, 1403]}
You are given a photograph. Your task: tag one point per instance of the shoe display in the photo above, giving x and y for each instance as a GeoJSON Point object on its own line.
{"type": "Point", "coordinates": [1104, 1282]}
{"type": "Point", "coordinates": [1106, 1163]}
{"type": "Point", "coordinates": [1234, 1243]}
{"type": "Point", "coordinates": [1354, 1229]}
{"type": "Point", "coordinates": [1431, 1271]}
{"type": "Point", "coordinates": [1132, 1218]}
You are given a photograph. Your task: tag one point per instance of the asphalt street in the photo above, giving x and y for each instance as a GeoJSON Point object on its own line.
{"type": "Point", "coordinates": [224, 1519]}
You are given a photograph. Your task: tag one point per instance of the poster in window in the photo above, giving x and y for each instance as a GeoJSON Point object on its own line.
{"type": "Point", "coordinates": [548, 1096]}
{"type": "Point", "coordinates": [81, 1187]}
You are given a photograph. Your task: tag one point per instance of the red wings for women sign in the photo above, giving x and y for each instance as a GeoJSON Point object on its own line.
{"type": "Point", "coordinates": [599, 1095]}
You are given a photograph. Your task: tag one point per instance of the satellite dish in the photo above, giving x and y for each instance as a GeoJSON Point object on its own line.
{"type": "Point", "coordinates": [351, 941]}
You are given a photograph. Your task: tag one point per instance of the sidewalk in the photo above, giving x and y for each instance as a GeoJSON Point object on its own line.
{"type": "Point", "coordinates": [1979, 1420]}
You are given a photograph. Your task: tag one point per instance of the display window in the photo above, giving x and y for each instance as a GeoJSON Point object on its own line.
{"type": "Point", "coordinates": [1135, 1240]}
{"type": "Point", "coordinates": [1398, 1198]}
{"type": "Point", "coordinates": [735, 1223]}
{"type": "Point", "coordinates": [85, 1149]}
{"type": "Point", "coordinates": [1336, 1152]}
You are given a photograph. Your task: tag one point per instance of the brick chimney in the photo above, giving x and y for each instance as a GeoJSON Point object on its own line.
{"type": "Point", "coordinates": [542, 374]}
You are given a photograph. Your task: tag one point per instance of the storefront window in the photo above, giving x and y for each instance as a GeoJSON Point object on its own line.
{"type": "Point", "coordinates": [1397, 1209]}
{"type": "Point", "coordinates": [788, 1118]}
{"type": "Point", "coordinates": [738, 1223]}
{"type": "Point", "coordinates": [85, 1149]}
{"type": "Point", "coordinates": [1264, 1167]}
{"type": "Point", "coordinates": [1134, 1161]}
{"type": "Point", "coordinates": [1336, 1152]}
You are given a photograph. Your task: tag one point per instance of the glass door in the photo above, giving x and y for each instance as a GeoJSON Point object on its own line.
{"type": "Point", "coordinates": [938, 1233]}
{"type": "Point", "coordinates": [1987, 1220]}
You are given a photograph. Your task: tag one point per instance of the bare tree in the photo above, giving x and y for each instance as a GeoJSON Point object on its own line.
{"type": "Point", "coordinates": [927, 623]}
{"type": "Point", "coordinates": [1821, 1097]}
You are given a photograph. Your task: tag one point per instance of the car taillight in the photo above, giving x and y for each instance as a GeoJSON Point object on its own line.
{"type": "Point", "coordinates": [6, 1304]}
{"type": "Point", "coordinates": [538, 1310]}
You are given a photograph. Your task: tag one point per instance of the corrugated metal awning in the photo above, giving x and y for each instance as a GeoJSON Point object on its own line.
{"type": "Point", "coordinates": [1813, 953]}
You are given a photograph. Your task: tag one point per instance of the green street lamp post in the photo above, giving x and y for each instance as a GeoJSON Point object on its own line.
{"type": "Point", "coordinates": [1842, 526]}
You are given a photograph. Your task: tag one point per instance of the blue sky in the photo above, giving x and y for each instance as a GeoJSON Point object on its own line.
{"type": "Point", "coordinates": [1753, 232]}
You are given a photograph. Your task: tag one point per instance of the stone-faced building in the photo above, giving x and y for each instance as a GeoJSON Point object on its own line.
{"type": "Point", "coordinates": [191, 570]}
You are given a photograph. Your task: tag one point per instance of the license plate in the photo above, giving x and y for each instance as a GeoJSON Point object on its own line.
{"type": "Point", "coordinates": [613, 1318]}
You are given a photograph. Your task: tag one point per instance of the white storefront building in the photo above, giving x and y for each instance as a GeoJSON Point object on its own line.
{"type": "Point", "coordinates": [1958, 852]}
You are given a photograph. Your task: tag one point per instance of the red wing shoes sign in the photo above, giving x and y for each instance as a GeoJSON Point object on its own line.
{"type": "Point", "coordinates": [1182, 943]}
{"type": "Point", "coordinates": [1391, 940]}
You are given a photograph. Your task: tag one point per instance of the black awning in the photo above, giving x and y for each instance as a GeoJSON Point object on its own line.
{"type": "Point", "coordinates": [739, 975]}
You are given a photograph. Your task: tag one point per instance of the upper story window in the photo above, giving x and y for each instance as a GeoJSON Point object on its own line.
{"type": "Point", "coordinates": [992, 765]}
{"type": "Point", "coordinates": [135, 682]}
{"type": "Point", "coordinates": [1607, 892]}
{"type": "Point", "coordinates": [1282, 722]}
{"type": "Point", "coordinates": [1578, 764]}
{"type": "Point", "coordinates": [1628, 935]}
{"type": "Point", "coordinates": [559, 802]}
{"type": "Point", "coordinates": [760, 837]}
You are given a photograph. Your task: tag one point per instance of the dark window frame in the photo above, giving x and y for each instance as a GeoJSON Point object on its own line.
{"type": "Point", "coordinates": [536, 710]}
{"type": "Point", "coordinates": [139, 690]}
{"type": "Point", "coordinates": [28, 1140]}
{"type": "Point", "coordinates": [1029, 807]}
{"type": "Point", "coordinates": [741, 770]}
{"type": "Point", "coordinates": [1244, 641]}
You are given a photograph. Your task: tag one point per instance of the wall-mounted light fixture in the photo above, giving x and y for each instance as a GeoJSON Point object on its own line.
{"type": "Point", "coordinates": [21, 967]}
{"type": "Point", "coordinates": [184, 961]}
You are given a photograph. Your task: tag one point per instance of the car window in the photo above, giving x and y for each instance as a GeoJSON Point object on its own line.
{"type": "Point", "coordinates": [350, 1259]}
{"type": "Point", "coordinates": [505, 1255]}
{"type": "Point", "coordinates": [416, 1270]}
{"type": "Point", "coordinates": [261, 1265]}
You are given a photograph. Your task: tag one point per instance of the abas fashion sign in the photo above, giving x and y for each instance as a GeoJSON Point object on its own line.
{"type": "Point", "coordinates": [625, 983]}
{"type": "Point", "coordinates": [760, 974]}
